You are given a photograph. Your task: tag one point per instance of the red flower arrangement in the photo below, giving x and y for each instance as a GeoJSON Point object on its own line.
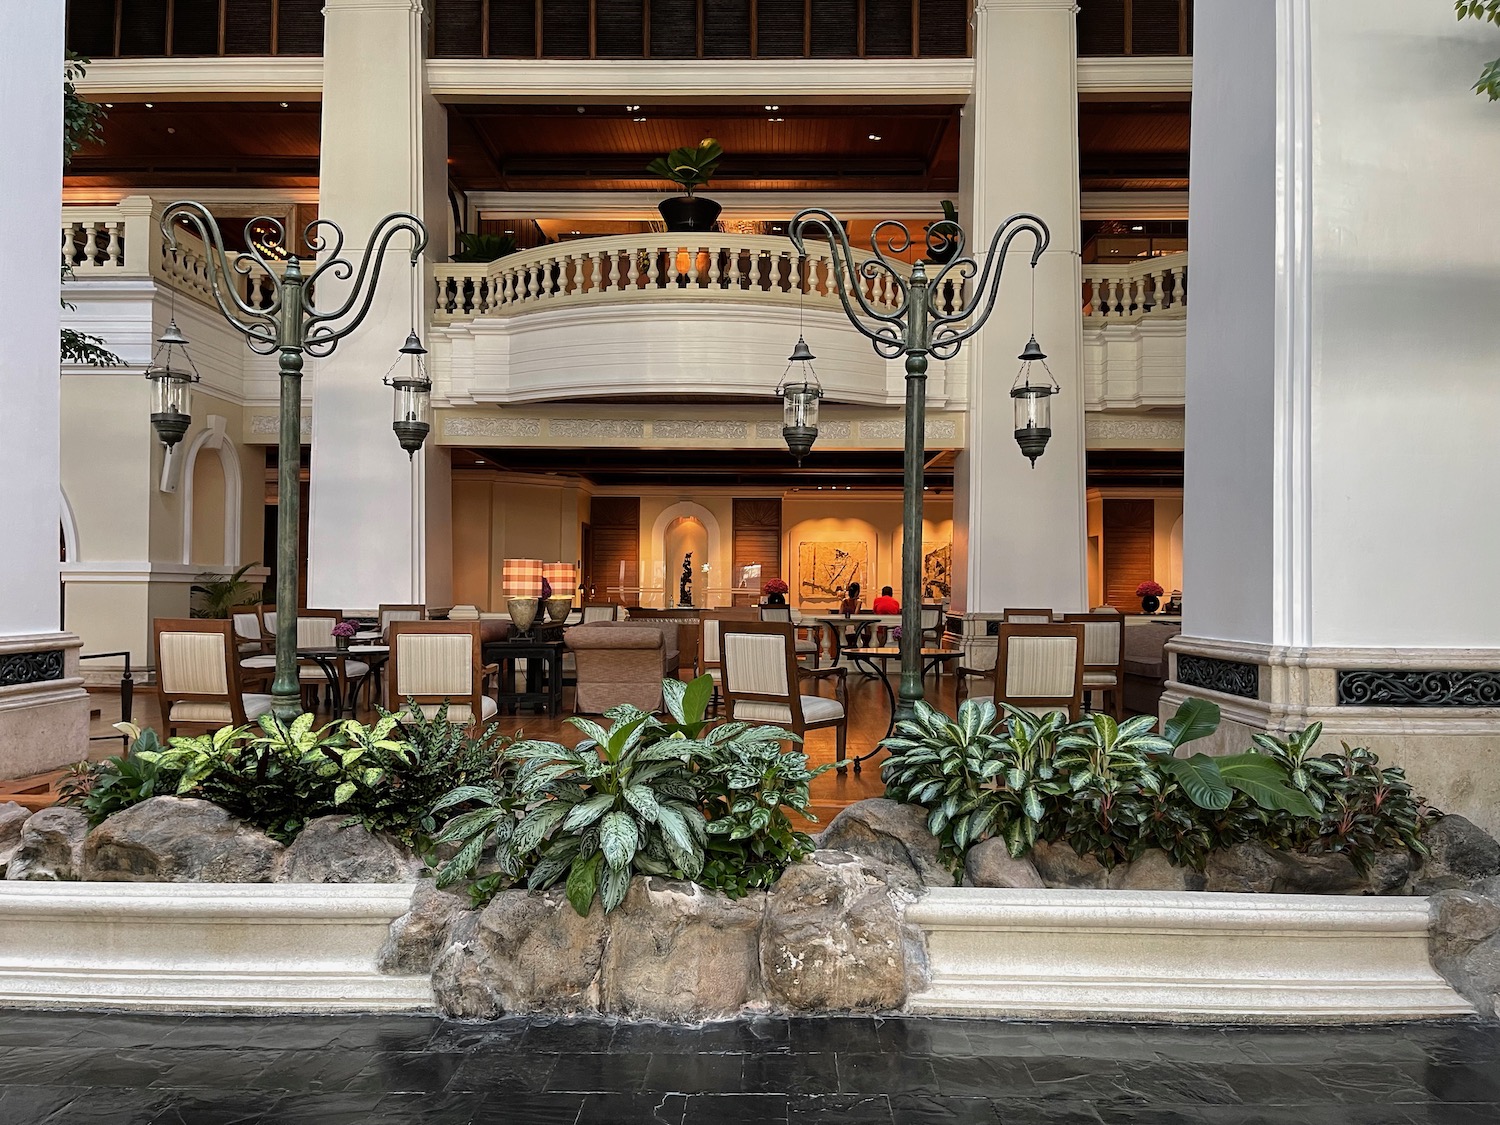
{"type": "Point", "coordinates": [775, 586]}
{"type": "Point", "coordinates": [345, 629]}
{"type": "Point", "coordinates": [1149, 589]}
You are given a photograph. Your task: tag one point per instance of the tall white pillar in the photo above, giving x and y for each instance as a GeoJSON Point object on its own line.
{"type": "Point", "coordinates": [1340, 546]}
{"type": "Point", "coordinates": [1018, 531]}
{"type": "Point", "coordinates": [377, 525]}
{"type": "Point", "coordinates": [43, 708]}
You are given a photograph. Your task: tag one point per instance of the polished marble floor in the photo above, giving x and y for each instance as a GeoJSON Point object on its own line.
{"type": "Point", "coordinates": [76, 1069]}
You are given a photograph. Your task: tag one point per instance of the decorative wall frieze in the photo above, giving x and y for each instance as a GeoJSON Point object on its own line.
{"type": "Point", "coordinates": [30, 667]}
{"type": "Point", "coordinates": [939, 430]}
{"type": "Point", "coordinates": [1418, 688]}
{"type": "Point", "coordinates": [708, 429]}
{"type": "Point", "coordinates": [1109, 428]}
{"type": "Point", "coordinates": [604, 429]}
{"type": "Point", "coordinates": [271, 424]}
{"type": "Point", "coordinates": [1229, 677]}
{"type": "Point", "coordinates": [494, 427]}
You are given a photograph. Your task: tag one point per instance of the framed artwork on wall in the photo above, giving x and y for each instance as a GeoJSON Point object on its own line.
{"type": "Point", "coordinates": [937, 572]}
{"type": "Point", "coordinates": [826, 569]}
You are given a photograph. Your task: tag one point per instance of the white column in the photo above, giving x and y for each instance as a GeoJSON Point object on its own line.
{"type": "Point", "coordinates": [1341, 464]}
{"type": "Point", "coordinates": [44, 713]}
{"type": "Point", "coordinates": [384, 149]}
{"type": "Point", "coordinates": [1018, 532]}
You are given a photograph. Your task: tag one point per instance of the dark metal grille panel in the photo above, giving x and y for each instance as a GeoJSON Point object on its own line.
{"type": "Point", "coordinates": [943, 29]}
{"type": "Point", "coordinates": [512, 29]}
{"type": "Point", "coordinates": [835, 28]}
{"type": "Point", "coordinates": [619, 28]}
{"type": "Point", "coordinates": [299, 27]}
{"type": "Point", "coordinates": [247, 27]}
{"type": "Point", "coordinates": [143, 27]}
{"type": "Point", "coordinates": [195, 29]}
{"type": "Point", "coordinates": [674, 29]}
{"type": "Point", "coordinates": [726, 28]}
{"type": "Point", "coordinates": [91, 27]}
{"type": "Point", "coordinates": [458, 28]}
{"type": "Point", "coordinates": [887, 28]}
{"type": "Point", "coordinates": [31, 667]}
{"type": "Point", "coordinates": [1420, 688]}
{"type": "Point", "coordinates": [1155, 27]}
{"type": "Point", "coordinates": [1101, 27]}
{"type": "Point", "coordinates": [1229, 677]}
{"type": "Point", "coordinates": [779, 28]}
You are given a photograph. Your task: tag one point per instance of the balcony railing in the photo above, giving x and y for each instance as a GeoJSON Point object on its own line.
{"type": "Point", "coordinates": [646, 267]}
{"type": "Point", "coordinates": [1148, 287]}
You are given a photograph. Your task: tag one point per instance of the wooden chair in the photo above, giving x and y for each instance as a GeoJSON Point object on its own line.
{"type": "Point", "coordinates": [314, 630]}
{"type": "Point", "coordinates": [198, 676]}
{"type": "Point", "coordinates": [763, 682]}
{"type": "Point", "coordinates": [1037, 667]}
{"type": "Point", "coordinates": [600, 611]}
{"type": "Point", "coordinates": [399, 612]}
{"type": "Point", "coordinates": [1027, 616]}
{"type": "Point", "coordinates": [437, 662]}
{"type": "Point", "coordinates": [1103, 657]}
{"type": "Point", "coordinates": [268, 625]}
{"type": "Point", "coordinates": [806, 646]}
{"type": "Point", "coordinates": [249, 633]}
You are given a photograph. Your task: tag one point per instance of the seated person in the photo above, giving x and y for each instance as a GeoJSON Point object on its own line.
{"type": "Point", "coordinates": [886, 603]}
{"type": "Point", "coordinates": [850, 604]}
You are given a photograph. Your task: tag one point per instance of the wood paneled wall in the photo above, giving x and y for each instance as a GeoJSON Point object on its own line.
{"type": "Point", "coordinates": [757, 539]}
{"type": "Point", "coordinates": [615, 523]}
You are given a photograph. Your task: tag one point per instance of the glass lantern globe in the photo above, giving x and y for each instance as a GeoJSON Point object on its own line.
{"type": "Point", "coordinates": [1033, 403]}
{"type": "Point", "coordinates": [801, 394]}
{"type": "Point", "coordinates": [171, 387]}
{"type": "Point", "coordinates": [411, 418]}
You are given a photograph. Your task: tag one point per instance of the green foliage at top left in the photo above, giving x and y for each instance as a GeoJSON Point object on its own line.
{"type": "Point", "coordinates": [83, 123]}
{"type": "Point", "coordinates": [278, 776]}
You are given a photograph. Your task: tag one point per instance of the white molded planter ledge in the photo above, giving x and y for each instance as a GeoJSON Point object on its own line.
{"type": "Point", "coordinates": [222, 946]}
{"type": "Point", "coordinates": [1176, 955]}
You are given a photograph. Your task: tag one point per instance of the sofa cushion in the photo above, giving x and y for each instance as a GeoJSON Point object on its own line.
{"type": "Point", "coordinates": [605, 634]}
{"type": "Point", "coordinates": [1144, 649]}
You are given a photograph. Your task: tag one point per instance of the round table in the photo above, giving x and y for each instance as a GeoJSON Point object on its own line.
{"type": "Point", "coordinates": [867, 657]}
{"type": "Point", "coordinates": [333, 662]}
{"type": "Point", "coordinates": [836, 623]}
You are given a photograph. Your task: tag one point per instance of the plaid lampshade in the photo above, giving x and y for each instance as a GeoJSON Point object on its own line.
{"type": "Point", "coordinates": [562, 577]}
{"type": "Point", "coordinates": [523, 578]}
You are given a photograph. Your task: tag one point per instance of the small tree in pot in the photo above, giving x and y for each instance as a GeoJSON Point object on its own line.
{"type": "Point", "coordinates": [692, 168]}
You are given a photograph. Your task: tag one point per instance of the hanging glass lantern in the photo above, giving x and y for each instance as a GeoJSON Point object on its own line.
{"type": "Point", "coordinates": [1033, 402]}
{"type": "Point", "coordinates": [412, 418]}
{"type": "Point", "coordinates": [800, 393]}
{"type": "Point", "coordinates": [171, 386]}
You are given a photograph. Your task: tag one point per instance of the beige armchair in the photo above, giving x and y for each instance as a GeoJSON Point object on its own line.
{"type": "Point", "coordinates": [198, 677]}
{"type": "Point", "coordinates": [617, 663]}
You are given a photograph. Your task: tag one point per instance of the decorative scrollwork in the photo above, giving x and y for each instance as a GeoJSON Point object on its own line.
{"type": "Point", "coordinates": [1228, 677]}
{"type": "Point", "coordinates": [1425, 688]}
{"type": "Point", "coordinates": [894, 333]}
{"type": "Point", "coordinates": [31, 667]}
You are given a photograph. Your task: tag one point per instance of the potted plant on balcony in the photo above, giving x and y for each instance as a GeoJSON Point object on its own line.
{"type": "Point", "coordinates": [483, 247]}
{"type": "Point", "coordinates": [692, 168]}
{"type": "Point", "coordinates": [1150, 594]}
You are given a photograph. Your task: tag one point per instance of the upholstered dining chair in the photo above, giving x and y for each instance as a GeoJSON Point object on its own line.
{"type": "Point", "coordinates": [1027, 616]}
{"type": "Point", "coordinates": [399, 612]}
{"type": "Point", "coordinates": [806, 645]}
{"type": "Point", "coordinates": [268, 624]}
{"type": "Point", "coordinates": [599, 611]}
{"type": "Point", "coordinates": [762, 682]}
{"type": "Point", "coordinates": [248, 633]}
{"type": "Point", "coordinates": [1038, 668]}
{"type": "Point", "coordinates": [314, 630]}
{"type": "Point", "coordinates": [198, 676]}
{"type": "Point", "coordinates": [711, 625]}
{"type": "Point", "coordinates": [437, 662]}
{"type": "Point", "coordinates": [1103, 657]}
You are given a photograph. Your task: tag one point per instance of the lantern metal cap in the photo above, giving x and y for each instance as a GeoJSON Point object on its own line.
{"type": "Point", "coordinates": [172, 336]}
{"type": "Point", "coordinates": [1032, 351]}
{"type": "Point", "coordinates": [801, 353]}
{"type": "Point", "coordinates": [413, 345]}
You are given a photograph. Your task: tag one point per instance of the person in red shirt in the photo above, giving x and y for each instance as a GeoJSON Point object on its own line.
{"type": "Point", "coordinates": [886, 603]}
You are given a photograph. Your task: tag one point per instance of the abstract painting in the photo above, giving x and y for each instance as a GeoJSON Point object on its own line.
{"type": "Point", "coordinates": [937, 571]}
{"type": "Point", "coordinates": [826, 569]}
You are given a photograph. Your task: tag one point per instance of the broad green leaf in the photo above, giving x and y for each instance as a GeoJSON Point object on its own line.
{"type": "Point", "coordinates": [1265, 783]}
{"type": "Point", "coordinates": [1195, 719]}
{"type": "Point", "coordinates": [1201, 780]}
{"type": "Point", "coordinates": [344, 792]}
{"type": "Point", "coordinates": [587, 813]}
{"type": "Point", "coordinates": [618, 838]}
{"type": "Point", "coordinates": [583, 881]}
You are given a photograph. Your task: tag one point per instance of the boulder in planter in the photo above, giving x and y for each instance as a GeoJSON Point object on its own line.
{"type": "Point", "coordinates": [678, 951]}
{"type": "Point", "coordinates": [833, 939]}
{"type": "Point", "coordinates": [1464, 940]}
{"type": "Point", "coordinates": [1060, 866]}
{"type": "Point", "coordinates": [1153, 871]}
{"type": "Point", "coordinates": [13, 818]}
{"type": "Point", "coordinates": [892, 833]}
{"type": "Point", "coordinates": [333, 850]}
{"type": "Point", "coordinates": [179, 840]}
{"type": "Point", "coordinates": [1461, 853]}
{"type": "Point", "coordinates": [989, 864]}
{"type": "Point", "coordinates": [50, 846]}
{"type": "Point", "coordinates": [423, 932]}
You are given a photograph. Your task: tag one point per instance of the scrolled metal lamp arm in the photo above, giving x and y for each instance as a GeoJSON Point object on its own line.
{"type": "Point", "coordinates": [888, 331]}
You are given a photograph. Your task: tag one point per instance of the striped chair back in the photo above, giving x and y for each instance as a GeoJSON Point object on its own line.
{"type": "Point", "coordinates": [315, 627]}
{"type": "Point", "coordinates": [709, 651]}
{"type": "Point", "coordinates": [600, 611]}
{"type": "Point", "coordinates": [1027, 616]}
{"type": "Point", "coordinates": [197, 673]}
{"type": "Point", "coordinates": [760, 672]}
{"type": "Point", "coordinates": [437, 662]}
{"type": "Point", "coordinates": [389, 612]}
{"type": "Point", "coordinates": [1040, 667]}
{"type": "Point", "coordinates": [776, 613]}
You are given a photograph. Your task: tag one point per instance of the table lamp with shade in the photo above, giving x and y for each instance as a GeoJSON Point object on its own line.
{"type": "Point", "coordinates": [523, 589]}
{"type": "Point", "coordinates": [563, 578]}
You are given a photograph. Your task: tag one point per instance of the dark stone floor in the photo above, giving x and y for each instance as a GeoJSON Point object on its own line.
{"type": "Point", "coordinates": [76, 1069]}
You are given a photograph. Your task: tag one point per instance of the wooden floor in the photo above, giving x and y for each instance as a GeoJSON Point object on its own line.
{"type": "Point", "coordinates": [868, 715]}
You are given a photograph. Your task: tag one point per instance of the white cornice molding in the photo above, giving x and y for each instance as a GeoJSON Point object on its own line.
{"type": "Point", "coordinates": [1159, 205]}
{"type": "Point", "coordinates": [1171, 74]}
{"type": "Point", "coordinates": [723, 81]}
{"type": "Point", "coordinates": [639, 205]}
{"type": "Point", "coordinates": [258, 78]}
{"type": "Point", "coordinates": [132, 572]}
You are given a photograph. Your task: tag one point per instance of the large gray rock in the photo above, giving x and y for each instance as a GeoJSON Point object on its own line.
{"type": "Point", "coordinates": [331, 849]}
{"type": "Point", "coordinates": [526, 952]}
{"type": "Point", "coordinates": [1323, 873]}
{"type": "Point", "coordinates": [833, 939]}
{"type": "Point", "coordinates": [1243, 868]}
{"type": "Point", "coordinates": [889, 832]}
{"type": "Point", "coordinates": [50, 847]}
{"type": "Point", "coordinates": [989, 864]}
{"type": "Point", "coordinates": [179, 840]}
{"type": "Point", "coordinates": [13, 818]}
{"type": "Point", "coordinates": [1153, 871]}
{"type": "Point", "coordinates": [1390, 873]}
{"type": "Point", "coordinates": [423, 932]}
{"type": "Point", "coordinates": [679, 952]}
{"type": "Point", "coordinates": [1464, 941]}
{"type": "Point", "coordinates": [1060, 866]}
{"type": "Point", "coordinates": [1461, 853]}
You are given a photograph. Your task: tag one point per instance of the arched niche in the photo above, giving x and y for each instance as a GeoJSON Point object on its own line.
{"type": "Point", "coordinates": [670, 568]}
{"type": "Point", "coordinates": [212, 498]}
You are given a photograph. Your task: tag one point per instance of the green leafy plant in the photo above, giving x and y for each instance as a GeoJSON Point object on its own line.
{"type": "Point", "coordinates": [690, 166]}
{"type": "Point", "coordinates": [1486, 11]}
{"type": "Point", "coordinates": [101, 789]}
{"type": "Point", "coordinates": [484, 247]}
{"type": "Point", "coordinates": [216, 596]}
{"type": "Point", "coordinates": [624, 801]}
{"type": "Point", "coordinates": [83, 123]}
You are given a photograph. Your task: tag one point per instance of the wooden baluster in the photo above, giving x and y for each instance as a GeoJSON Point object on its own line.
{"type": "Point", "coordinates": [672, 271]}
{"type": "Point", "coordinates": [714, 272]}
{"type": "Point", "coordinates": [114, 251]}
{"type": "Point", "coordinates": [693, 271]}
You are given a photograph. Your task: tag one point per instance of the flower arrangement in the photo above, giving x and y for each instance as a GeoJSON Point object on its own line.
{"type": "Point", "coordinates": [344, 630]}
{"type": "Point", "coordinates": [1149, 589]}
{"type": "Point", "coordinates": [775, 586]}
{"type": "Point", "coordinates": [546, 589]}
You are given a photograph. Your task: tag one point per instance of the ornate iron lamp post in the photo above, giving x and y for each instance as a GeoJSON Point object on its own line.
{"type": "Point", "coordinates": [929, 316]}
{"type": "Point", "coordinates": [291, 324]}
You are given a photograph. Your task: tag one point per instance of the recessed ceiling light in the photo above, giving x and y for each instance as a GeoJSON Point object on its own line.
{"type": "Point", "coordinates": [1116, 251]}
{"type": "Point", "coordinates": [637, 119]}
{"type": "Point", "coordinates": [285, 105]}
{"type": "Point", "coordinates": [1137, 228]}
{"type": "Point", "coordinates": [150, 106]}
{"type": "Point", "coordinates": [874, 136]}
{"type": "Point", "coordinates": [776, 119]}
{"type": "Point", "coordinates": [577, 232]}
{"type": "Point", "coordinates": [109, 105]}
{"type": "Point", "coordinates": [170, 129]}
{"type": "Point", "coordinates": [773, 108]}
{"type": "Point", "coordinates": [510, 232]}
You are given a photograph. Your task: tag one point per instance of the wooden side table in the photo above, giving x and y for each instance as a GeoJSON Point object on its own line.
{"type": "Point", "coordinates": [544, 675]}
